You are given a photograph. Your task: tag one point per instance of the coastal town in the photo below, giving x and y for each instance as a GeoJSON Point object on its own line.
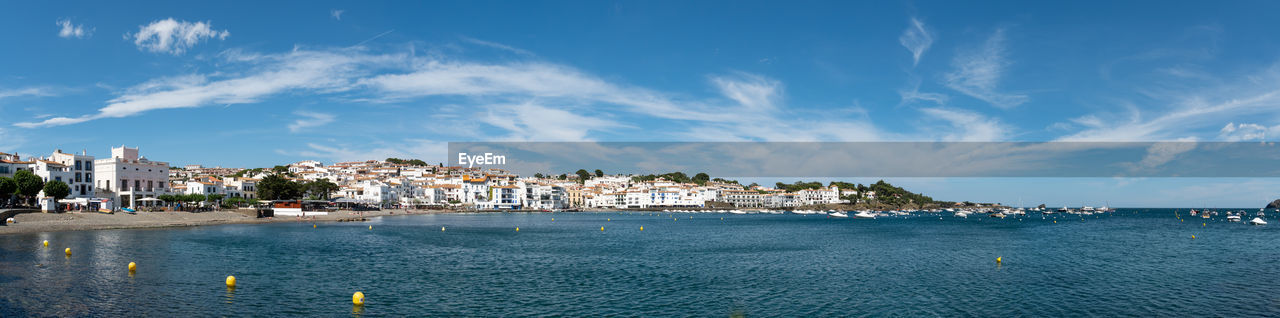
{"type": "Point", "coordinates": [127, 180]}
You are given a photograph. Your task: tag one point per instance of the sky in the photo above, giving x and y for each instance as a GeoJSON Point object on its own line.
{"type": "Point", "coordinates": [251, 84]}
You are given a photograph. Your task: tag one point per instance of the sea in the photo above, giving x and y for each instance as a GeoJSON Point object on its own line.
{"type": "Point", "coordinates": [1131, 262]}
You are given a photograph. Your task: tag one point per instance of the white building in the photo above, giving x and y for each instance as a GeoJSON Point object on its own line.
{"type": "Point", "coordinates": [129, 177]}
{"type": "Point", "coordinates": [81, 168]}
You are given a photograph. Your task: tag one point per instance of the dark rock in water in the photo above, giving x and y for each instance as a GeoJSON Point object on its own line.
{"type": "Point", "coordinates": [1041, 205]}
{"type": "Point", "coordinates": [1274, 204]}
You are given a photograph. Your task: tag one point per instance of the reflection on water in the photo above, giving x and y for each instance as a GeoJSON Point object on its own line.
{"type": "Point", "coordinates": [1121, 264]}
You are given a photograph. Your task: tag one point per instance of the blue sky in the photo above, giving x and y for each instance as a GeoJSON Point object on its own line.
{"type": "Point", "coordinates": [257, 84]}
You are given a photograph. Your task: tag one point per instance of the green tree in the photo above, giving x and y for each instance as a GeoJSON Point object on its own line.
{"type": "Point", "coordinates": [280, 169]}
{"type": "Point", "coordinates": [583, 175]}
{"type": "Point", "coordinates": [538, 175]}
{"type": "Point", "coordinates": [7, 189]}
{"type": "Point", "coordinates": [320, 189]}
{"type": "Point", "coordinates": [58, 190]}
{"type": "Point", "coordinates": [29, 185]}
{"type": "Point", "coordinates": [214, 197]}
{"type": "Point", "coordinates": [417, 162]}
{"type": "Point", "coordinates": [599, 173]}
{"type": "Point", "coordinates": [701, 178]}
{"type": "Point", "coordinates": [275, 187]}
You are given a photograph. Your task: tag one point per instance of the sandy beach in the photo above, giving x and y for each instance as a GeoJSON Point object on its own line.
{"type": "Point", "coordinates": [77, 221]}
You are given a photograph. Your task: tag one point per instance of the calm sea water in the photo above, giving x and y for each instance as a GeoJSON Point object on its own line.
{"type": "Point", "coordinates": [1134, 262]}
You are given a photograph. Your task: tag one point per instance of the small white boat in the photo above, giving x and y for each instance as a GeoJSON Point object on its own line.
{"type": "Point", "coordinates": [737, 211]}
{"type": "Point", "coordinates": [865, 215]}
{"type": "Point", "coordinates": [1233, 217]}
{"type": "Point", "coordinates": [962, 214]}
{"type": "Point", "coordinates": [1257, 221]}
{"type": "Point", "coordinates": [838, 215]}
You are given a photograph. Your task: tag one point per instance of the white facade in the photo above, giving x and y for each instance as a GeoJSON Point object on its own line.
{"type": "Point", "coordinates": [129, 177]}
{"type": "Point", "coordinates": [81, 168]}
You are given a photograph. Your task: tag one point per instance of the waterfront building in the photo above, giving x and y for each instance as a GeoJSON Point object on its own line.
{"type": "Point", "coordinates": [127, 177]}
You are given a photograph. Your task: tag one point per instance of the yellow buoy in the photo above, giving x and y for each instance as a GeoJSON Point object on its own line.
{"type": "Point", "coordinates": [998, 260]}
{"type": "Point", "coordinates": [553, 219]}
{"type": "Point", "coordinates": [231, 282]}
{"type": "Point", "coordinates": [517, 229]}
{"type": "Point", "coordinates": [46, 243]}
{"type": "Point", "coordinates": [1055, 221]}
{"type": "Point", "coordinates": [642, 228]}
{"type": "Point", "coordinates": [370, 227]}
{"type": "Point", "coordinates": [1193, 236]}
{"type": "Point", "coordinates": [441, 229]}
{"type": "Point", "coordinates": [357, 298]}
{"type": "Point", "coordinates": [313, 226]}
{"type": "Point", "coordinates": [68, 250]}
{"type": "Point", "coordinates": [1204, 224]}
{"type": "Point", "coordinates": [602, 228]}
{"type": "Point", "coordinates": [608, 220]}
{"type": "Point", "coordinates": [132, 266]}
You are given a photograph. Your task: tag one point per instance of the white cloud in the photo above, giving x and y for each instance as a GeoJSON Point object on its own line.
{"type": "Point", "coordinates": [1244, 132]}
{"type": "Point", "coordinates": [1182, 112]}
{"type": "Point", "coordinates": [496, 45]}
{"type": "Point", "coordinates": [427, 150]}
{"type": "Point", "coordinates": [977, 73]}
{"type": "Point", "coordinates": [174, 37]}
{"type": "Point", "coordinates": [308, 119]}
{"type": "Point", "coordinates": [26, 91]}
{"type": "Point", "coordinates": [916, 39]}
{"type": "Point", "coordinates": [914, 94]}
{"type": "Point", "coordinates": [318, 72]}
{"type": "Point", "coordinates": [967, 125]}
{"type": "Point", "coordinates": [68, 30]}
{"type": "Point", "coordinates": [1161, 153]}
{"type": "Point", "coordinates": [532, 122]}
{"type": "Point", "coordinates": [336, 14]}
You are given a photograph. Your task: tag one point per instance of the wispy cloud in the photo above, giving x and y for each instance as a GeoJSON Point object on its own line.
{"type": "Point", "coordinates": [68, 30]}
{"type": "Point", "coordinates": [913, 95]}
{"type": "Point", "coordinates": [977, 73]}
{"type": "Point", "coordinates": [532, 122]}
{"type": "Point", "coordinates": [26, 91]}
{"type": "Point", "coordinates": [318, 72]}
{"type": "Point", "coordinates": [496, 45]}
{"type": "Point", "coordinates": [174, 37]}
{"type": "Point", "coordinates": [336, 14]}
{"type": "Point", "coordinates": [308, 119]}
{"type": "Point", "coordinates": [1190, 111]}
{"type": "Point", "coordinates": [916, 39]}
{"type": "Point", "coordinates": [968, 125]}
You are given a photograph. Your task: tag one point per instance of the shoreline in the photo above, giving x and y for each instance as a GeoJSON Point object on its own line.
{"type": "Point", "coordinates": [29, 223]}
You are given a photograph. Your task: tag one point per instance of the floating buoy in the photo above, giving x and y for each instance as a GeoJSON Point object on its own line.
{"type": "Point", "coordinates": [441, 229]}
{"type": "Point", "coordinates": [608, 220]}
{"type": "Point", "coordinates": [68, 250]}
{"type": "Point", "coordinates": [1193, 236]}
{"type": "Point", "coordinates": [370, 227]}
{"type": "Point", "coordinates": [132, 266]}
{"type": "Point", "coordinates": [601, 228]}
{"type": "Point", "coordinates": [1055, 221]}
{"type": "Point", "coordinates": [357, 299]}
{"type": "Point", "coordinates": [642, 228]}
{"type": "Point", "coordinates": [517, 229]}
{"type": "Point", "coordinates": [553, 219]}
{"type": "Point", "coordinates": [46, 243]}
{"type": "Point", "coordinates": [231, 282]}
{"type": "Point", "coordinates": [1204, 224]}
{"type": "Point", "coordinates": [998, 260]}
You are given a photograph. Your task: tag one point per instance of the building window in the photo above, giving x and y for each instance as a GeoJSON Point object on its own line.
{"type": "Point", "coordinates": [88, 165]}
{"type": "Point", "coordinates": [78, 177]}
{"type": "Point", "coordinates": [88, 177]}
{"type": "Point", "coordinates": [59, 178]}
{"type": "Point", "coordinates": [137, 184]}
{"type": "Point", "coordinates": [78, 167]}
{"type": "Point", "coordinates": [124, 184]}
